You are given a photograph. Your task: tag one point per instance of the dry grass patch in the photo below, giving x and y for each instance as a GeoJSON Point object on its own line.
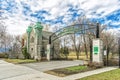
{"type": "Point", "coordinates": [20, 61]}
{"type": "Point", "coordinates": [80, 57]}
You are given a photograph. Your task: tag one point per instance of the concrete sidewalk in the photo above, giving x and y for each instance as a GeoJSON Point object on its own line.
{"type": "Point", "coordinates": [89, 73]}
{"type": "Point", "coordinates": [10, 71]}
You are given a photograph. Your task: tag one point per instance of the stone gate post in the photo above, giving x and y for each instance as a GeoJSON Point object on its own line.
{"type": "Point", "coordinates": [97, 51]}
{"type": "Point", "coordinates": [48, 52]}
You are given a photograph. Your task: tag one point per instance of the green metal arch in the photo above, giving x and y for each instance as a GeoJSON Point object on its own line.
{"type": "Point", "coordinates": [77, 28]}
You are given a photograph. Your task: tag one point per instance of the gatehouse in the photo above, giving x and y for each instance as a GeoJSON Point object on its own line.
{"type": "Point", "coordinates": [37, 40]}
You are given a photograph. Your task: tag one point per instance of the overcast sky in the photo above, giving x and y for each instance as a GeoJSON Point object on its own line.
{"type": "Point", "coordinates": [18, 14]}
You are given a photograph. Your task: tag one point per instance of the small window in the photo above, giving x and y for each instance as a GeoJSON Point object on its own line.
{"type": "Point", "coordinates": [31, 49]}
{"type": "Point", "coordinates": [32, 40]}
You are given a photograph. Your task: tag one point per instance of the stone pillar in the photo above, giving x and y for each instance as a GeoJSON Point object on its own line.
{"type": "Point", "coordinates": [97, 51]}
{"type": "Point", "coordinates": [28, 41]}
{"type": "Point", "coordinates": [35, 55]}
{"type": "Point", "coordinates": [39, 52]}
{"type": "Point", "coordinates": [28, 38]}
{"type": "Point", "coordinates": [48, 52]}
{"type": "Point", "coordinates": [38, 43]}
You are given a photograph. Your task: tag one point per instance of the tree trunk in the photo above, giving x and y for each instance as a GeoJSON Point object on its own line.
{"type": "Point", "coordinates": [86, 51]}
{"type": "Point", "coordinates": [108, 50]}
{"type": "Point", "coordinates": [66, 56]}
{"type": "Point", "coordinates": [77, 54]}
{"type": "Point", "coordinates": [91, 51]}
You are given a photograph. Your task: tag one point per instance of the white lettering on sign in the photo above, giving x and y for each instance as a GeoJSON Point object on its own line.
{"type": "Point", "coordinates": [96, 43]}
{"type": "Point", "coordinates": [105, 52]}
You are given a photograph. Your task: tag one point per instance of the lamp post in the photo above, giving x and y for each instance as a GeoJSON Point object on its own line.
{"type": "Point", "coordinates": [97, 31]}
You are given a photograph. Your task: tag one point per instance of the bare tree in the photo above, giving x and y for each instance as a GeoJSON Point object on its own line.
{"type": "Point", "coordinates": [109, 42]}
{"type": "Point", "coordinates": [2, 28]}
{"type": "Point", "coordinates": [83, 20]}
{"type": "Point", "coordinates": [77, 41]}
{"type": "Point", "coordinates": [2, 33]}
{"type": "Point", "coordinates": [16, 47]}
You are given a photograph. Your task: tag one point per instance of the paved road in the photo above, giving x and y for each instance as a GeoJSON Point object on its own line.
{"type": "Point", "coordinates": [33, 71]}
{"type": "Point", "coordinates": [10, 71]}
{"type": "Point", "coordinates": [43, 66]}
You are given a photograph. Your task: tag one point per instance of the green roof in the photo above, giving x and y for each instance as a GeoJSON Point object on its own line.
{"type": "Point", "coordinates": [38, 25]}
{"type": "Point", "coordinates": [29, 29]}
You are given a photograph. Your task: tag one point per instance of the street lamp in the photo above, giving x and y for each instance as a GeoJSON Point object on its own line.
{"type": "Point", "coordinates": [97, 31]}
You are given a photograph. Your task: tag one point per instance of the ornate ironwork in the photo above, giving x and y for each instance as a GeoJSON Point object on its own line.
{"type": "Point", "coordinates": [76, 28]}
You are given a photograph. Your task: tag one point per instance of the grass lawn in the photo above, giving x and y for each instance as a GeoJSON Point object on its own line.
{"type": "Point", "coordinates": [110, 75]}
{"type": "Point", "coordinates": [62, 72]}
{"type": "Point", "coordinates": [76, 68]}
{"type": "Point", "coordinates": [80, 57]}
{"type": "Point", "coordinates": [20, 61]}
{"type": "Point", "coordinates": [72, 55]}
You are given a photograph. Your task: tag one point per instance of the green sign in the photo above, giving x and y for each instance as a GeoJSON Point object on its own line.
{"type": "Point", "coordinates": [95, 50]}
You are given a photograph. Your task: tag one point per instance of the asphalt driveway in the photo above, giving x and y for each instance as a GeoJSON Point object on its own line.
{"type": "Point", "coordinates": [34, 71]}
{"type": "Point", "coordinates": [43, 66]}
{"type": "Point", "coordinates": [9, 71]}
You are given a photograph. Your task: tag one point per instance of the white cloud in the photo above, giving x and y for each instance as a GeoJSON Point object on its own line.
{"type": "Point", "coordinates": [17, 21]}
{"type": "Point", "coordinates": [114, 31]}
{"type": "Point", "coordinates": [115, 23]}
{"type": "Point", "coordinates": [98, 6]}
{"type": "Point", "coordinates": [16, 27]}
